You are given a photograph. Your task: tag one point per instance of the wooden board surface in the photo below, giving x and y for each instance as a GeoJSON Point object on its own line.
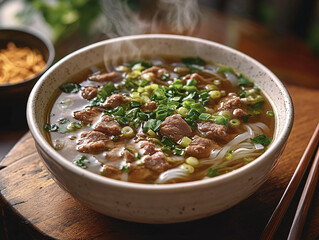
{"type": "Point", "coordinates": [31, 197]}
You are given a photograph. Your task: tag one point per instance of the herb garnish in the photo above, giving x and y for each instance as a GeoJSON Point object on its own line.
{"type": "Point", "coordinates": [70, 87]}
{"type": "Point", "coordinates": [261, 139]}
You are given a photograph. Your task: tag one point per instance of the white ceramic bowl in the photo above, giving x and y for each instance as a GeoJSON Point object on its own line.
{"type": "Point", "coordinates": [159, 203]}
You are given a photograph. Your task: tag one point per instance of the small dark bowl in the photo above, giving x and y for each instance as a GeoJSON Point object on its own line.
{"type": "Point", "coordinates": [24, 37]}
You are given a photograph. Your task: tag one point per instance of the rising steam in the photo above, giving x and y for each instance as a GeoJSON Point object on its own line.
{"type": "Point", "coordinates": [173, 16]}
{"type": "Point", "coordinates": [179, 16]}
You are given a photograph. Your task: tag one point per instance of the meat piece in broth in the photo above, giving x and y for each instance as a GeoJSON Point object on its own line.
{"type": "Point", "coordinates": [149, 107]}
{"type": "Point", "coordinates": [156, 162]}
{"type": "Point", "coordinates": [111, 172]}
{"type": "Point", "coordinates": [239, 113]}
{"type": "Point", "coordinates": [87, 115]}
{"type": "Point", "coordinates": [128, 156]}
{"type": "Point", "coordinates": [233, 104]}
{"type": "Point", "coordinates": [114, 100]}
{"type": "Point", "coordinates": [109, 126]}
{"type": "Point", "coordinates": [89, 93]}
{"type": "Point", "coordinates": [212, 130]}
{"type": "Point", "coordinates": [140, 173]}
{"type": "Point", "coordinates": [148, 148]}
{"type": "Point", "coordinates": [92, 142]}
{"type": "Point", "coordinates": [201, 147]}
{"type": "Point", "coordinates": [175, 128]}
{"type": "Point", "coordinates": [103, 77]}
{"type": "Point", "coordinates": [155, 74]}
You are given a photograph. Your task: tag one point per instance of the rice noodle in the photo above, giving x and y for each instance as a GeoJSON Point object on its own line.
{"type": "Point", "coordinates": [174, 173]}
{"type": "Point", "coordinates": [241, 145]}
{"type": "Point", "coordinates": [232, 78]}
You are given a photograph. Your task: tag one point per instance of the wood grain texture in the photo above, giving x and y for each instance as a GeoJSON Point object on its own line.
{"type": "Point", "coordinates": [48, 212]}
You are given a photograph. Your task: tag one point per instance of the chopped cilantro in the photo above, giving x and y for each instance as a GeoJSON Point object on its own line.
{"type": "Point", "coordinates": [51, 128]}
{"type": "Point", "coordinates": [261, 139]}
{"type": "Point", "coordinates": [80, 161]}
{"type": "Point", "coordinates": [193, 61]}
{"type": "Point", "coordinates": [256, 106]}
{"type": "Point", "coordinates": [70, 87]}
{"type": "Point", "coordinates": [213, 172]}
{"type": "Point", "coordinates": [125, 168]}
{"type": "Point", "coordinates": [244, 81]}
{"type": "Point", "coordinates": [246, 117]}
{"type": "Point", "coordinates": [152, 124]}
{"type": "Point", "coordinates": [103, 93]}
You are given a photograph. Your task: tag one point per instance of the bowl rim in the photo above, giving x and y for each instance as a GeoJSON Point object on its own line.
{"type": "Point", "coordinates": [160, 188]}
{"type": "Point", "coordinates": [48, 44]}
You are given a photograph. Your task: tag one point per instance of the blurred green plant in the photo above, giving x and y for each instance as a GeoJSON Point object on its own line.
{"type": "Point", "coordinates": [65, 17]}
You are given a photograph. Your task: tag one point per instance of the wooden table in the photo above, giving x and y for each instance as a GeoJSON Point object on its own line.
{"type": "Point", "coordinates": [33, 206]}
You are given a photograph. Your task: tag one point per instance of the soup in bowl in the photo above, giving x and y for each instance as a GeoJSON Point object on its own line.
{"type": "Point", "coordinates": [137, 127]}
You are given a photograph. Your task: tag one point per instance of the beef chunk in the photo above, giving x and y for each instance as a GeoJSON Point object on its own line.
{"type": "Point", "coordinates": [111, 172]}
{"type": "Point", "coordinates": [201, 147]}
{"type": "Point", "coordinates": [108, 126]}
{"type": "Point", "coordinates": [139, 173]}
{"type": "Point", "coordinates": [89, 93]}
{"type": "Point", "coordinates": [149, 107]}
{"type": "Point", "coordinates": [156, 162]}
{"type": "Point", "coordinates": [112, 76]}
{"type": "Point", "coordinates": [239, 113]}
{"type": "Point", "coordinates": [87, 115]}
{"type": "Point", "coordinates": [114, 154]}
{"type": "Point", "coordinates": [212, 130]}
{"type": "Point", "coordinates": [156, 74]}
{"type": "Point", "coordinates": [128, 156]}
{"type": "Point", "coordinates": [114, 100]}
{"type": "Point", "coordinates": [92, 142]}
{"type": "Point", "coordinates": [148, 148]}
{"type": "Point", "coordinates": [175, 128]}
{"type": "Point", "coordinates": [198, 78]}
{"type": "Point", "coordinates": [229, 103]}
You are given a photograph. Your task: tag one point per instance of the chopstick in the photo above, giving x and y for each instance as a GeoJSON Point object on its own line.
{"type": "Point", "coordinates": [305, 200]}
{"type": "Point", "coordinates": [291, 189]}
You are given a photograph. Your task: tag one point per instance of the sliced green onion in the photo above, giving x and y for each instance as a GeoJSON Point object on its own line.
{"type": "Point", "coordinates": [229, 155]}
{"type": "Point", "coordinates": [270, 113]}
{"type": "Point", "coordinates": [178, 151]}
{"type": "Point", "coordinates": [185, 142]}
{"type": "Point", "coordinates": [190, 88]}
{"type": "Point", "coordinates": [204, 116]}
{"type": "Point", "coordinates": [211, 87]}
{"type": "Point", "coordinates": [224, 69]}
{"type": "Point", "coordinates": [234, 122]}
{"type": "Point", "coordinates": [151, 133]}
{"type": "Point", "coordinates": [145, 99]}
{"type": "Point", "coordinates": [140, 89]}
{"type": "Point", "coordinates": [182, 111]}
{"type": "Point", "coordinates": [198, 107]}
{"type": "Point", "coordinates": [188, 102]}
{"type": "Point", "coordinates": [192, 161]}
{"type": "Point", "coordinates": [215, 94]}
{"type": "Point", "coordinates": [191, 82]}
{"type": "Point", "coordinates": [226, 114]}
{"type": "Point", "coordinates": [217, 82]}
{"type": "Point", "coordinates": [188, 168]}
{"type": "Point", "coordinates": [154, 86]}
{"type": "Point", "coordinates": [178, 84]}
{"type": "Point", "coordinates": [127, 131]}
{"type": "Point", "coordinates": [135, 95]}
